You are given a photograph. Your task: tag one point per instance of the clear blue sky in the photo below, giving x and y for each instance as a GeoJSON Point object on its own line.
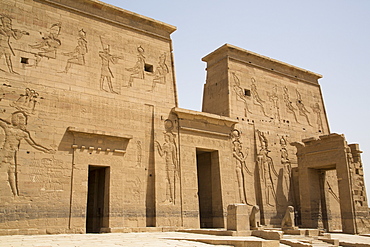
{"type": "Point", "coordinates": [329, 37]}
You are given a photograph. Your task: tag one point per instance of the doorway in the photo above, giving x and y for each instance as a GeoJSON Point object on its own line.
{"type": "Point", "coordinates": [97, 199]}
{"type": "Point", "coordinates": [209, 189]}
{"type": "Point", "coordinates": [330, 202]}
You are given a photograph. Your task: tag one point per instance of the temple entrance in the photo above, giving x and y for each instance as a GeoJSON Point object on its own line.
{"type": "Point", "coordinates": [209, 189]}
{"type": "Point", "coordinates": [330, 215]}
{"type": "Point", "coordinates": [97, 199]}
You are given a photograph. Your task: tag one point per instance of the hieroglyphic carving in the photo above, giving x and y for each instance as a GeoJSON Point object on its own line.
{"type": "Point", "coordinates": [161, 71]}
{"type": "Point", "coordinates": [266, 170]}
{"type": "Point", "coordinates": [316, 109]}
{"type": "Point", "coordinates": [301, 107]}
{"type": "Point", "coordinates": [275, 101]}
{"type": "Point", "coordinates": [288, 220]}
{"type": "Point", "coordinates": [240, 93]}
{"type": "Point", "coordinates": [169, 151]}
{"type": "Point", "coordinates": [257, 99]}
{"type": "Point", "coordinates": [7, 32]}
{"type": "Point", "coordinates": [138, 70]}
{"type": "Point", "coordinates": [289, 106]}
{"type": "Point", "coordinates": [106, 72]}
{"type": "Point", "coordinates": [241, 165]}
{"type": "Point", "coordinates": [77, 56]}
{"type": "Point", "coordinates": [27, 101]}
{"type": "Point", "coordinates": [49, 44]}
{"type": "Point", "coordinates": [49, 173]}
{"type": "Point", "coordinates": [356, 176]}
{"type": "Point", "coordinates": [15, 132]}
{"type": "Point", "coordinates": [139, 153]}
{"type": "Point", "coordinates": [134, 184]}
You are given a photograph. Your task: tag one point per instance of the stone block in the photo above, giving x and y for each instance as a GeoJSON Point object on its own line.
{"type": "Point", "coordinates": [268, 234]}
{"type": "Point", "coordinates": [238, 217]}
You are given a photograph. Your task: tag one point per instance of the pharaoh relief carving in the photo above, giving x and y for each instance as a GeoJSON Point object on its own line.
{"type": "Point", "coordinates": [138, 70]}
{"type": "Point", "coordinates": [48, 45]}
{"type": "Point", "coordinates": [267, 171]}
{"type": "Point", "coordinates": [6, 34]}
{"type": "Point", "coordinates": [77, 56]}
{"type": "Point", "coordinates": [301, 107]}
{"type": "Point", "coordinates": [168, 150]}
{"type": "Point", "coordinates": [256, 97]}
{"type": "Point", "coordinates": [288, 104]}
{"type": "Point", "coordinates": [240, 93]}
{"type": "Point", "coordinates": [106, 73]}
{"type": "Point", "coordinates": [287, 166]}
{"type": "Point", "coordinates": [241, 166]}
{"type": "Point", "coordinates": [317, 110]}
{"type": "Point", "coordinates": [273, 96]}
{"type": "Point", "coordinates": [27, 101]}
{"type": "Point", "coordinates": [16, 131]}
{"type": "Point", "coordinates": [161, 71]}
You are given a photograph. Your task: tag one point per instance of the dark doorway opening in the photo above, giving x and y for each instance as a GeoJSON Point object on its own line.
{"type": "Point", "coordinates": [97, 199]}
{"type": "Point", "coordinates": [330, 202]}
{"type": "Point", "coordinates": [209, 189]}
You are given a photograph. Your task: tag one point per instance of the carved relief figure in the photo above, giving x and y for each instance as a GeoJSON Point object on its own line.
{"type": "Point", "coordinates": [257, 99]}
{"type": "Point", "coordinates": [301, 108]}
{"type": "Point", "coordinates": [275, 101]}
{"type": "Point", "coordinates": [240, 93]}
{"type": "Point", "coordinates": [7, 32]}
{"type": "Point", "coordinates": [77, 56]}
{"type": "Point", "coordinates": [266, 170]}
{"type": "Point", "coordinates": [27, 102]}
{"type": "Point", "coordinates": [49, 45]}
{"type": "Point", "coordinates": [15, 132]}
{"type": "Point", "coordinates": [289, 106]}
{"type": "Point", "coordinates": [161, 71]}
{"type": "Point", "coordinates": [138, 70]}
{"type": "Point", "coordinates": [241, 166]}
{"type": "Point", "coordinates": [287, 166]}
{"type": "Point", "coordinates": [169, 151]}
{"type": "Point", "coordinates": [288, 220]}
{"type": "Point", "coordinates": [106, 72]}
{"type": "Point", "coordinates": [316, 109]}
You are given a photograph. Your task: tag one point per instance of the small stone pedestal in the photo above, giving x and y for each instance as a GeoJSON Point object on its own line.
{"type": "Point", "coordinates": [238, 218]}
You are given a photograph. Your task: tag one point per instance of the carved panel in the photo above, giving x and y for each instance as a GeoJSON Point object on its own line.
{"type": "Point", "coordinates": [241, 167]}
{"type": "Point", "coordinates": [138, 70]}
{"type": "Point", "coordinates": [267, 171]}
{"type": "Point", "coordinates": [256, 97]}
{"type": "Point", "coordinates": [106, 73]}
{"type": "Point", "coordinates": [16, 131]}
{"type": "Point", "coordinates": [240, 94]}
{"type": "Point", "coordinates": [6, 34]}
{"type": "Point", "coordinates": [48, 45]}
{"type": "Point", "coordinates": [77, 56]}
{"type": "Point", "coordinates": [168, 150]}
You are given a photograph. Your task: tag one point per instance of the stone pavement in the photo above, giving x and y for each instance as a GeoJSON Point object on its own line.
{"type": "Point", "coordinates": [146, 239]}
{"type": "Point", "coordinates": [154, 239]}
{"type": "Point", "coordinates": [352, 240]}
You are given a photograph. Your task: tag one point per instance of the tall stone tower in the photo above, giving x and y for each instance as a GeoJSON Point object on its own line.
{"type": "Point", "coordinates": [275, 104]}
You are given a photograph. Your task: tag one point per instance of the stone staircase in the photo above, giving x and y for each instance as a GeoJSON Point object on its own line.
{"type": "Point", "coordinates": [306, 241]}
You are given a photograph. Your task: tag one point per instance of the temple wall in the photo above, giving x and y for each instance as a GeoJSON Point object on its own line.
{"type": "Point", "coordinates": [83, 85]}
